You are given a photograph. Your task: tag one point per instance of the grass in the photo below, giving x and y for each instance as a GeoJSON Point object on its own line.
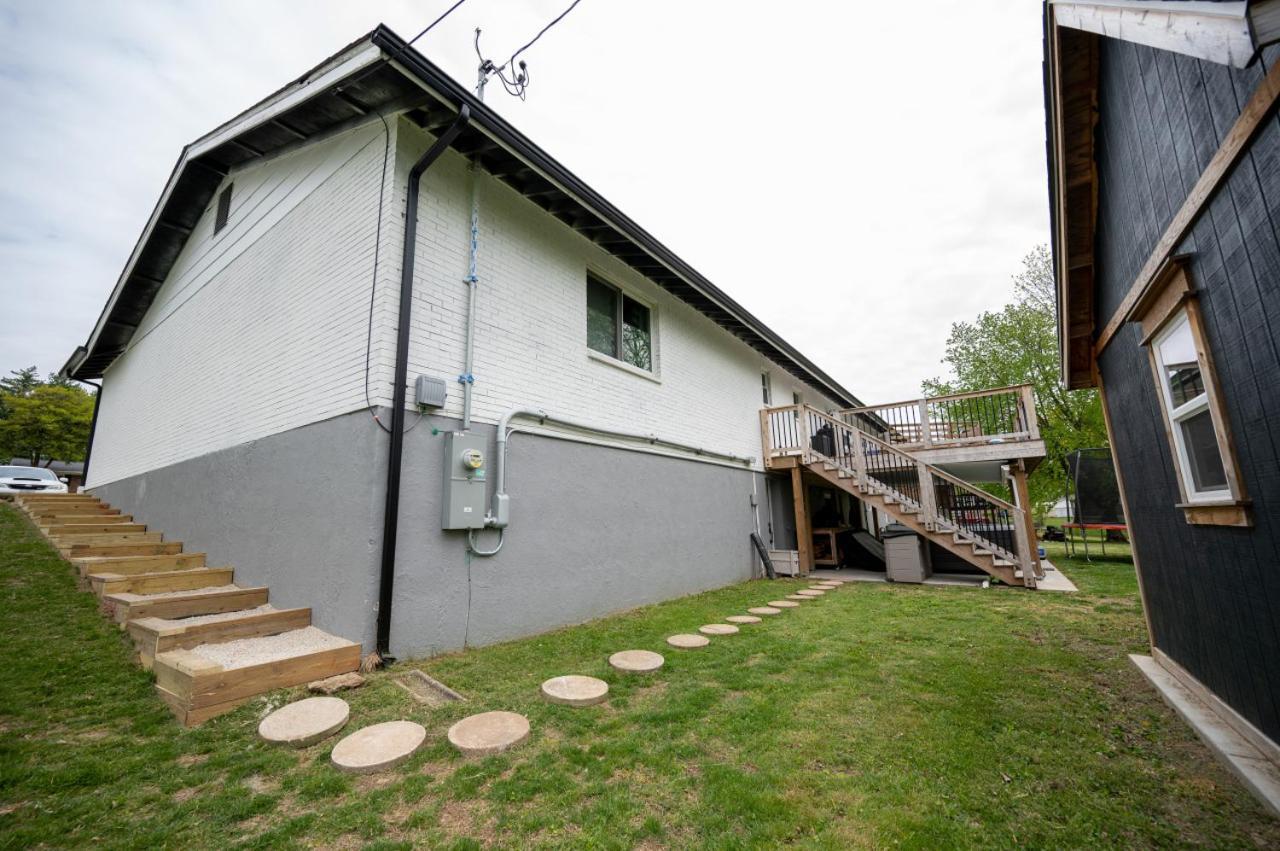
{"type": "Point", "coordinates": [878, 715]}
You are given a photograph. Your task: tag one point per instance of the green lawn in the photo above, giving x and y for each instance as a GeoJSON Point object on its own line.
{"type": "Point", "coordinates": [878, 715]}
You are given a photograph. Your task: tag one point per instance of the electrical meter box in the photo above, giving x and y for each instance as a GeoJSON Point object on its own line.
{"type": "Point", "coordinates": [465, 464]}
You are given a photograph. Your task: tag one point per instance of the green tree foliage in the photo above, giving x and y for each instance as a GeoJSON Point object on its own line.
{"type": "Point", "coordinates": [1019, 345]}
{"type": "Point", "coordinates": [43, 420]}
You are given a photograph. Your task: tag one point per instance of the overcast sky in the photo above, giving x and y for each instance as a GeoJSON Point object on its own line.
{"type": "Point", "coordinates": [858, 175]}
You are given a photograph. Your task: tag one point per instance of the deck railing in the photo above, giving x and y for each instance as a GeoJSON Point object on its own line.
{"type": "Point", "coordinates": [1004, 414]}
{"type": "Point", "coordinates": [942, 502]}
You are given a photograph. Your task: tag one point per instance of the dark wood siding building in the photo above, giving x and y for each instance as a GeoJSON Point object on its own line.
{"type": "Point", "coordinates": [1165, 183]}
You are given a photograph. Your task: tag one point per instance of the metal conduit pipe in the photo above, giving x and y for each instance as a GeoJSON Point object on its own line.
{"type": "Point", "coordinates": [472, 281]}
{"type": "Point", "coordinates": [391, 511]}
{"type": "Point", "coordinates": [498, 514]}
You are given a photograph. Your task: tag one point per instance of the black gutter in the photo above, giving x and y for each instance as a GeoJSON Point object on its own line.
{"type": "Point", "coordinates": [93, 429]}
{"type": "Point", "coordinates": [391, 513]}
{"type": "Point", "coordinates": [453, 92]}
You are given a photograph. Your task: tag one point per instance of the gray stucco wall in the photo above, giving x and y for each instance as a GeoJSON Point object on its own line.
{"type": "Point", "coordinates": [593, 530]}
{"type": "Point", "coordinates": [295, 511]}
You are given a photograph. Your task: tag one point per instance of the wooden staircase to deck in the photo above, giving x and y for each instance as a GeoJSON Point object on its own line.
{"type": "Point", "coordinates": [879, 461]}
{"type": "Point", "coordinates": [183, 615]}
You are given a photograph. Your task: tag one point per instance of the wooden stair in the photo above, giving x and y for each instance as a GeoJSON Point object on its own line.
{"type": "Point", "coordinates": [212, 644]}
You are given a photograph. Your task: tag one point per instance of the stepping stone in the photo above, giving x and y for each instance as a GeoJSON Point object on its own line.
{"type": "Point", "coordinates": [717, 629]}
{"type": "Point", "coordinates": [305, 722]}
{"type": "Point", "coordinates": [573, 690]}
{"type": "Point", "coordinates": [687, 641]}
{"type": "Point", "coordinates": [743, 619]}
{"type": "Point", "coordinates": [798, 596]}
{"type": "Point", "coordinates": [378, 747]}
{"type": "Point", "coordinates": [783, 604]}
{"type": "Point", "coordinates": [636, 661]}
{"type": "Point", "coordinates": [765, 610]}
{"type": "Point", "coordinates": [809, 592]}
{"type": "Point", "coordinates": [821, 587]}
{"type": "Point", "coordinates": [489, 733]}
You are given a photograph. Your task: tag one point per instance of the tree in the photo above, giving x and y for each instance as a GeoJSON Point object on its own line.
{"type": "Point", "coordinates": [43, 421]}
{"type": "Point", "coordinates": [1019, 345]}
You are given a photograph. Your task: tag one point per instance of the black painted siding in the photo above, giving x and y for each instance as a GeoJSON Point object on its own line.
{"type": "Point", "coordinates": [1213, 592]}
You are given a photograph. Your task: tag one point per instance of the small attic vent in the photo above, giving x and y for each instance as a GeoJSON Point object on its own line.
{"type": "Point", "coordinates": [224, 209]}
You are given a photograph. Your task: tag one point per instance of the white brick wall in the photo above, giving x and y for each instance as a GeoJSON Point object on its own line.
{"type": "Point", "coordinates": [260, 328]}
{"type": "Point", "coordinates": [530, 346]}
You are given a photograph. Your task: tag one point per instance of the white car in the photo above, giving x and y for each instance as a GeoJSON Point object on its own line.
{"type": "Point", "coordinates": [15, 480]}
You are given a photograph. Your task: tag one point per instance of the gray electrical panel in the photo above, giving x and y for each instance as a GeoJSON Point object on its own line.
{"type": "Point", "coordinates": [431, 392]}
{"type": "Point", "coordinates": [464, 480]}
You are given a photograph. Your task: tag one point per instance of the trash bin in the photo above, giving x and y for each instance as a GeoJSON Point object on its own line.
{"type": "Point", "coordinates": [906, 555]}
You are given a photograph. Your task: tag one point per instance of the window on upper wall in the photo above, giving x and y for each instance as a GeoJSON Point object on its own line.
{"type": "Point", "coordinates": [224, 209]}
{"type": "Point", "coordinates": [766, 389]}
{"type": "Point", "coordinates": [618, 325]}
{"type": "Point", "coordinates": [1191, 405]}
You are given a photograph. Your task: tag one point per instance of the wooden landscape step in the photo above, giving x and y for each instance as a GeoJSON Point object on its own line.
{"type": "Point", "coordinates": [70, 519]}
{"type": "Point", "coordinates": [210, 679]}
{"type": "Point", "coordinates": [71, 529]}
{"type": "Point", "coordinates": [152, 635]}
{"type": "Point", "coordinates": [95, 510]}
{"type": "Point", "coordinates": [159, 583]}
{"type": "Point", "coordinates": [82, 541]}
{"type": "Point", "coordinates": [128, 565]}
{"type": "Point", "coordinates": [127, 606]}
{"type": "Point", "coordinates": [128, 548]}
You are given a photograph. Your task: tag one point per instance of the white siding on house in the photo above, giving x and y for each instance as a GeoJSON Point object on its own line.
{"type": "Point", "coordinates": [530, 345]}
{"type": "Point", "coordinates": [260, 328]}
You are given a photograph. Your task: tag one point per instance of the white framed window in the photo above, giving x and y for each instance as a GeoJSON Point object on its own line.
{"type": "Point", "coordinates": [619, 326]}
{"type": "Point", "coordinates": [1195, 416]}
{"type": "Point", "coordinates": [766, 389]}
{"type": "Point", "coordinates": [1186, 406]}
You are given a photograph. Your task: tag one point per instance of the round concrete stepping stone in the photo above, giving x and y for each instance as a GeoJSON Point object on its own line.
{"type": "Point", "coordinates": [305, 722]}
{"type": "Point", "coordinates": [823, 587]}
{"type": "Point", "coordinates": [783, 604]}
{"type": "Point", "coordinates": [636, 661]}
{"type": "Point", "coordinates": [800, 598]}
{"type": "Point", "coordinates": [718, 629]}
{"type": "Point", "coordinates": [809, 592]}
{"type": "Point", "coordinates": [489, 733]}
{"type": "Point", "coordinates": [765, 610]}
{"type": "Point", "coordinates": [687, 641]}
{"type": "Point", "coordinates": [743, 619]}
{"type": "Point", "coordinates": [378, 747]}
{"type": "Point", "coordinates": [574, 690]}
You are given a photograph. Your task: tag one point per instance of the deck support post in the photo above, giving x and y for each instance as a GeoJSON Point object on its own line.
{"type": "Point", "coordinates": [928, 501]}
{"type": "Point", "coordinates": [804, 533]}
{"type": "Point", "coordinates": [1027, 532]}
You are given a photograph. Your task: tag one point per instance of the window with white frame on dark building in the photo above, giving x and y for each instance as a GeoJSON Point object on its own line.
{"type": "Point", "coordinates": [618, 325]}
{"type": "Point", "coordinates": [1191, 404]}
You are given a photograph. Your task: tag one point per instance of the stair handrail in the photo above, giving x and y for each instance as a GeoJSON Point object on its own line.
{"type": "Point", "coordinates": [927, 502]}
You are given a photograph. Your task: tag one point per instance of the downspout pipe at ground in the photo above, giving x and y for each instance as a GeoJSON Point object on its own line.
{"type": "Point", "coordinates": [391, 511]}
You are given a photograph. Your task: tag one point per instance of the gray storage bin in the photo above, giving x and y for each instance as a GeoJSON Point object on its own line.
{"type": "Point", "coordinates": [906, 555]}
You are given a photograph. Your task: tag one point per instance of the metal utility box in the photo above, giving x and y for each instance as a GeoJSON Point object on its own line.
{"type": "Point", "coordinates": [462, 499]}
{"type": "Point", "coordinates": [906, 555]}
{"type": "Point", "coordinates": [430, 392]}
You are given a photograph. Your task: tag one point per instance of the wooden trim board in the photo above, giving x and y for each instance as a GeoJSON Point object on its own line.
{"type": "Point", "coordinates": [1251, 119]}
{"type": "Point", "coordinates": [212, 603]}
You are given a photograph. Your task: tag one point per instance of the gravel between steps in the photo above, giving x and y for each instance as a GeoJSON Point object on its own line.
{"type": "Point", "coordinates": [196, 620]}
{"type": "Point", "coordinates": [169, 595]}
{"type": "Point", "coordinates": [269, 648]}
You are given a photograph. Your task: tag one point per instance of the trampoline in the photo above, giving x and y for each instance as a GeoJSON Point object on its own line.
{"type": "Point", "coordinates": [1093, 498]}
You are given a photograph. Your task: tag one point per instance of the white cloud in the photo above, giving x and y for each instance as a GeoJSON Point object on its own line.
{"type": "Point", "coordinates": [859, 175]}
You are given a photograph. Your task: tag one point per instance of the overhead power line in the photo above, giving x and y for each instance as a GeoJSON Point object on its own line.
{"type": "Point", "coordinates": [517, 84]}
